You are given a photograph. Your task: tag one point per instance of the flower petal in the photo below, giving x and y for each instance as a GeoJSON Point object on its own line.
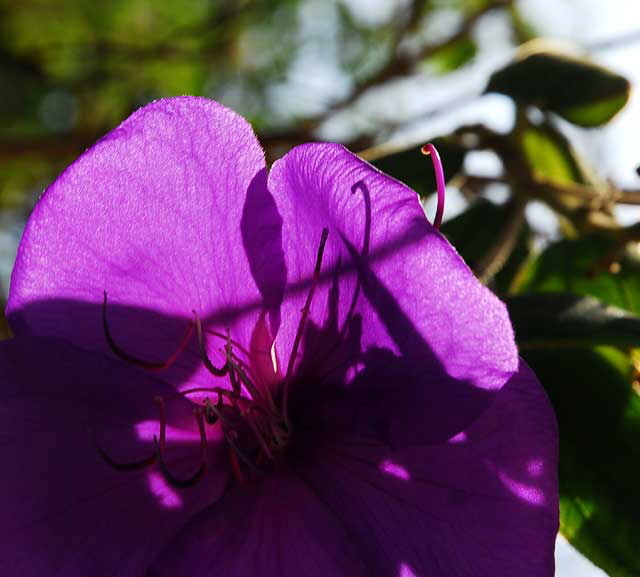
{"type": "Point", "coordinates": [392, 289]}
{"type": "Point", "coordinates": [484, 503]}
{"type": "Point", "coordinates": [273, 528]}
{"type": "Point", "coordinates": [159, 213]}
{"type": "Point", "coordinates": [64, 510]}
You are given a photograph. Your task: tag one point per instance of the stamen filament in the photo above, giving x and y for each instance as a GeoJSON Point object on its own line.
{"type": "Point", "coordinates": [430, 150]}
{"type": "Point", "coordinates": [117, 465]}
{"type": "Point", "coordinates": [255, 393]}
{"type": "Point", "coordinates": [236, 344]}
{"type": "Point", "coordinates": [160, 448]}
{"type": "Point", "coordinates": [240, 364]}
{"type": "Point", "coordinates": [216, 411]}
{"type": "Point", "coordinates": [215, 371]}
{"type": "Point", "coordinates": [259, 438]}
{"type": "Point", "coordinates": [303, 319]}
{"type": "Point", "coordinates": [235, 386]}
{"type": "Point", "coordinates": [145, 364]}
{"type": "Point", "coordinates": [217, 390]}
{"type": "Point", "coordinates": [241, 454]}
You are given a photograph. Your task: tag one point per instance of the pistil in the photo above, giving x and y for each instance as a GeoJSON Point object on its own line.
{"type": "Point", "coordinates": [301, 325]}
{"type": "Point", "coordinates": [430, 150]}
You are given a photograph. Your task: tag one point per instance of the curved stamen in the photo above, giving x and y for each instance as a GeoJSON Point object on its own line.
{"type": "Point", "coordinates": [303, 319]}
{"type": "Point", "coordinates": [235, 386]}
{"type": "Point", "coordinates": [160, 448]}
{"type": "Point", "coordinates": [248, 371]}
{"type": "Point", "coordinates": [235, 450]}
{"type": "Point", "coordinates": [239, 372]}
{"type": "Point", "coordinates": [238, 452]}
{"type": "Point", "coordinates": [259, 437]}
{"type": "Point", "coordinates": [209, 415]}
{"type": "Point", "coordinates": [145, 364]}
{"type": "Point", "coordinates": [118, 465]}
{"type": "Point", "coordinates": [430, 150]}
{"type": "Point", "coordinates": [218, 390]}
{"type": "Point", "coordinates": [215, 371]}
{"type": "Point", "coordinates": [224, 336]}
{"type": "Point", "coordinates": [279, 435]}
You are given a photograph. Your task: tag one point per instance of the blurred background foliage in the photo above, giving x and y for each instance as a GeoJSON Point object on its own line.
{"type": "Point", "coordinates": [353, 71]}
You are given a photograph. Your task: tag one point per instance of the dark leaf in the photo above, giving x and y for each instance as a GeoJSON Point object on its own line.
{"type": "Point", "coordinates": [599, 423]}
{"type": "Point", "coordinates": [563, 319]}
{"type": "Point", "coordinates": [593, 265]}
{"type": "Point", "coordinates": [576, 89]}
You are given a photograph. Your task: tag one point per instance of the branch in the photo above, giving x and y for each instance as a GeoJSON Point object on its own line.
{"type": "Point", "coordinates": [628, 196]}
{"type": "Point", "coordinates": [69, 145]}
{"type": "Point", "coordinates": [499, 253]}
{"type": "Point", "coordinates": [56, 147]}
{"type": "Point", "coordinates": [401, 65]}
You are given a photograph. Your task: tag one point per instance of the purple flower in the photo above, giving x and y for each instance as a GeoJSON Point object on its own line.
{"type": "Point", "coordinates": [220, 370]}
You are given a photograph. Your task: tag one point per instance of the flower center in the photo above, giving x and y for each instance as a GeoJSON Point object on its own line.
{"type": "Point", "coordinates": [253, 419]}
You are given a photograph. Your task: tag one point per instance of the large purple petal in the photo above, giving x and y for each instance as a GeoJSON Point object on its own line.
{"type": "Point", "coordinates": [64, 511]}
{"type": "Point", "coordinates": [156, 214]}
{"type": "Point", "coordinates": [276, 527]}
{"type": "Point", "coordinates": [483, 504]}
{"type": "Point", "coordinates": [396, 305]}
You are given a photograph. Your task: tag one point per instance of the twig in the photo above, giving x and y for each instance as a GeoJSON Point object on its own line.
{"type": "Point", "coordinates": [498, 255]}
{"type": "Point", "coordinates": [627, 196]}
{"type": "Point", "coordinates": [400, 65]}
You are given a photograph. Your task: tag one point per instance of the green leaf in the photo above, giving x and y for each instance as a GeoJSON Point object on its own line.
{"type": "Point", "coordinates": [599, 424]}
{"type": "Point", "coordinates": [591, 265]}
{"type": "Point", "coordinates": [597, 113]}
{"type": "Point", "coordinates": [562, 319]}
{"type": "Point", "coordinates": [474, 232]}
{"type": "Point", "coordinates": [414, 169]}
{"type": "Point", "coordinates": [575, 88]}
{"type": "Point", "coordinates": [454, 56]}
{"type": "Point", "coordinates": [550, 155]}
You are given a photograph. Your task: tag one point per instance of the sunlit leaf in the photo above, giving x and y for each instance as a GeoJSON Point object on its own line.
{"type": "Point", "coordinates": [575, 88]}
{"type": "Point", "coordinates": [599, 424]}
{"type": "Point", "coordinates": [454, 56]}
{"type": "Point", "coordinates": [550, 155]}
{"type": "Point", "coordinates": [594, 265]}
